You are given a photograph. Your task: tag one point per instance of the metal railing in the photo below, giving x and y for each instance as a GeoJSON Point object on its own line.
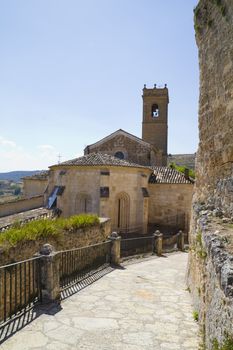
{"type": "Point", "coordinates": [78, 264]}
{"type": "Point", "coordinates": [137, 245]}
{"type": "Point", "coordinates": [19, 287]}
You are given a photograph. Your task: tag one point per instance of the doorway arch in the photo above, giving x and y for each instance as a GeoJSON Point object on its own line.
{"type": "Point", "coordinates": [122, 211]}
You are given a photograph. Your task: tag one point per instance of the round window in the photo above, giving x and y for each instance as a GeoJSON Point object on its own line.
{"type": "Point", "coordinates": [119, 155]}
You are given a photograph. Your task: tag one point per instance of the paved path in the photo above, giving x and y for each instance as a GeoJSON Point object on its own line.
{"type": "Point", "coordinates": [142, 307]}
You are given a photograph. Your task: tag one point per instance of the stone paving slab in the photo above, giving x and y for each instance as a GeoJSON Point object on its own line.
{"type": "Point", "coordinates": [144, 306]}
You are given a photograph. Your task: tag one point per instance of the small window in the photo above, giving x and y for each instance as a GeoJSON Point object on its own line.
{"type": "Point", "coordinates": [104, 192]}
{"type": "Point", "coordinates": [105, 172]}
{"type": "Point", "coordinates": [119, 155]}
{"type": "Point", "coordinates": [155, 111]}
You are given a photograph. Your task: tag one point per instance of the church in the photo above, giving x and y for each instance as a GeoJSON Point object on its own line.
{"type": "Point", "coordinates": [151, 149]}
{"type": "Point", "coordinates": [126, 178]}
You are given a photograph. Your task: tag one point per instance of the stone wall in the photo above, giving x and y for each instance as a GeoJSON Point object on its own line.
{"type": "Point", "coordinates": [87, 181]}
{"type": "Point", "coordinates": [21, 205]}
{"type": "Point", "coordinates": [210, 276]}
{"type": "Point", "coordinates": [214, 167]}
{"type": "Point", "coordinates": [68, 240]}
{"type": "Point", "coordinates": [137, 152]}
{"type": "Point", "coordinates": [210, 273]}
{"type": "Point", "coordinates": [170, 205]}
{"type": "Point", "coordinates": [34, 187]}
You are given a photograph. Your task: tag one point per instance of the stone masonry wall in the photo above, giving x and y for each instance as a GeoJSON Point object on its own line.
{"type": "Point", "coordinates": [170, 205]}
{"type": "Point", "coordinates": [214, 34]}
{"type": "Point", "coordinates": [134, 151]}
{"type": "Point", "coordinates": [69, 240]}
{"type": "Point", "coordinates": [210, 274]}
{"type": "Point", "coordinates": [21, 205]}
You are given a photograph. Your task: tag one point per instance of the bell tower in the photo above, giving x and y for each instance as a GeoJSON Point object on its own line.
{"type": "Point", "coordinates": [155, 118]}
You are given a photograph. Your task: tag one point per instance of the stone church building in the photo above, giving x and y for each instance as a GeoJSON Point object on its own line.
{"type": "Point", "coordinates": [125, 177]}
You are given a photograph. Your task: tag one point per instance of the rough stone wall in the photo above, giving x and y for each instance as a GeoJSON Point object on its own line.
{"type": "Point", "coordinates": [214, 34]}
{"type": "Point", "coordinates": [210, 275]}
{"type": "Point", "coordinates": [21, 205]}
{"type": "Point", "coordinates": [170, 205]}
{"type": "Point", "coordinates": [133, 151]}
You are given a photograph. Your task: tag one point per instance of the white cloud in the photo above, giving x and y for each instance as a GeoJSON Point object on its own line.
{"type": "Point", "coordinates": [6, 143]}
{"type": "Point", "coordinates": [15, 157]}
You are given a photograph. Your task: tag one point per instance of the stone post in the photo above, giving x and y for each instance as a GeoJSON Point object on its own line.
{"type": "Point", "coordinates": [116, 248]}
{"type": "Point", "coordinates": [180, 240]}
{"type": "Point", "coordinates": [50, 274]}
{"type": "Point", "coordinates": [158, 242]}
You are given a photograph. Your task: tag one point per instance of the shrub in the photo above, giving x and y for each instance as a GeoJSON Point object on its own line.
{"type": "Point", "coordinates": [46, 228]}
{"type": "Point", "coordinates": [195, 316]}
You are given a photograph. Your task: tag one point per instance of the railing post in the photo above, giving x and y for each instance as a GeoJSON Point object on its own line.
{"type": "Point", "coordinates": [50, 275]}
{"type": "Point", "coordinates": [158, 242]}
{"type": "Point", "coordinates": [180, 240]}
{"type": "Point", "coordinates": [116, 248]}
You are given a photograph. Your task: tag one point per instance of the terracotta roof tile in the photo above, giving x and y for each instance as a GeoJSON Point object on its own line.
{"type": "Point", "coordinates": [99, 159]}
{"type": "Point", "coordinates": [163, 174]}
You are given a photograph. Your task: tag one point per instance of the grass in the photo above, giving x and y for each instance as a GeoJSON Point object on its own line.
{"type": "Point", "coordinates": [46, 228]}
{"type": "Point", "coordinates": [195, 316]}
{"type": "Point", "coordinates": [227, 344]}
{"type": "Point", "coordinates": [201, 252]}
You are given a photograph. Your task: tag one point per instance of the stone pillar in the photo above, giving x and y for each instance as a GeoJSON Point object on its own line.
{"type": "Point", "coordinates": [180, 240]}
{"type": "Point", "coordinates": [50, 274]}
{"type": "Point", "coordinates": [158, 242]}
{"type": "Point", "coordinates": [116, 248]}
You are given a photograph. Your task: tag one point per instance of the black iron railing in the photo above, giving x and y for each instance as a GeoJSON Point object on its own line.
{"type": "Point", "coordinates": [137, 245]}
{"type": "Point", "coordinates": [19, 287]}
{"type": "Point", "coordinates": [78, 264]}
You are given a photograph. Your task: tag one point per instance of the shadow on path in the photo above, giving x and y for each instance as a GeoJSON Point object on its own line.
{"type": "Point", "coordinates": [13, 325]}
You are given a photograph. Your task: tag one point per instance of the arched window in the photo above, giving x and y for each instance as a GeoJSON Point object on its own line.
{"type": "Point", "coordinates": [119, 155]}
{"type": "Point", "coordinates": [155, 111]}
{"type": "Point", "coordinates": [122, 211]}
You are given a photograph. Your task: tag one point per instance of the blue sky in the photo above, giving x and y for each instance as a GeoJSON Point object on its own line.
{"type": "Point", "coordinates": [72, 71]}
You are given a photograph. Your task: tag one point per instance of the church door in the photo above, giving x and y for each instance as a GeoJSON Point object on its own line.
{"type": "Point", "coordinates": [122, 212]}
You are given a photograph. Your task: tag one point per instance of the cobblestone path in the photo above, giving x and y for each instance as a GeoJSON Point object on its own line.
{"type": "Point", "coordinates": [144, 306]}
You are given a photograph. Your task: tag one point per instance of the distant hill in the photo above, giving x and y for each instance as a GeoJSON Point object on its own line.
{"type": "Point", "coordinates": [17, 175]}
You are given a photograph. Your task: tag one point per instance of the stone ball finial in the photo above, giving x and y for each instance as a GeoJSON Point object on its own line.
{"type": "Point", "coordinates": [165, 86]}
{"type": "Point", "coordinates": [114, 235]}
{"type": "Point", "coordinates": [154, 86]}
{"type": "Point", "coordinates": [47, 249]}
{"type": "Point", "coordinates": [144, 86]}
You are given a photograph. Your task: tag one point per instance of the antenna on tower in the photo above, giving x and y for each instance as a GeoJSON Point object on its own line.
{"type": "Point", "coordinates": [59, 156]}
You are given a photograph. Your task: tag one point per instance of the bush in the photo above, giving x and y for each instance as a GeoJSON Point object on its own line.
{"type": "Point", "coordinates": [46, 228]}
{"type": "Point", "coordinates": [181, 169]}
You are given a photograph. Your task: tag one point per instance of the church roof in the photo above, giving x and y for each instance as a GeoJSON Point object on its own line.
{"type": "Point", "coordinates": [120, 132]}
{"type": "Point", "coordinates": [163, 174]}
{"type": "Point", "coordinates": [94, 159]}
